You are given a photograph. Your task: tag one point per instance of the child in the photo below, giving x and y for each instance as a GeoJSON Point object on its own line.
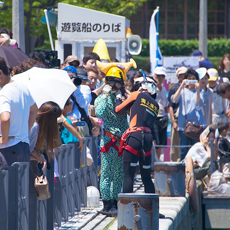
{"type": "Point", "coordinates": [223, 150]}
{"type": "Point", "coordinates": [201, 153]}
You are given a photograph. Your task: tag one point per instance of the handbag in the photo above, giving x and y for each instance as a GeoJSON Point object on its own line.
{"type": "Point", "coordinates": [41, 184]}
{"type": "Point", "coordinates": [192, 129]}
{"type": "Point", "coordinates": [162, 121]}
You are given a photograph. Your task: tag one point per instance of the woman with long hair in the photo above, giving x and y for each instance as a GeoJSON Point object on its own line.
{"type": "Point", "coordinates": [224, 68]}
{"type": "Point", "coordinates": [44, 135]}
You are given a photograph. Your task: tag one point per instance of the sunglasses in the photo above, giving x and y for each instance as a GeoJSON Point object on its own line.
{"type": "Point", "coordinates": [161, 75]}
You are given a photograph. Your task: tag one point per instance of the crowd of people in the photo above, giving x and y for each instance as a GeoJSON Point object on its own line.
{"type": "Point", "coordinates": [128, 113]}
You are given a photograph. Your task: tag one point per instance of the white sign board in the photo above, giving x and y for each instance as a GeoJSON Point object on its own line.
{"type": "Point", "coordinates": [173, 63]}
{"type": "Point", "coordinates": [77, 23]}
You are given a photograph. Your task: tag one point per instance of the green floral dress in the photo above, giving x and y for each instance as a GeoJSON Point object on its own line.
{"type": "Point", "coordinates": [111, 164]}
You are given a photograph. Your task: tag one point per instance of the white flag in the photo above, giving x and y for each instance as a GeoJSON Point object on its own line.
{"type": "Point", "coordinates": [154, 51]}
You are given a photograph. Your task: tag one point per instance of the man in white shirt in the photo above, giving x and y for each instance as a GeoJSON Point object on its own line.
{"type": "Point", "coordinates": [160, 125]}
{"type": "Point", "coordinates": [17, 115]}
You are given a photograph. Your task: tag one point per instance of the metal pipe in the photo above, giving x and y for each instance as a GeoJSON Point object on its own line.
{"type": "Point", "coordinates": [49, 31]}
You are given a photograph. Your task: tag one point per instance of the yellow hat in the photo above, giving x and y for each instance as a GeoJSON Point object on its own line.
{"type": "Point", "coordinates": [115, 68]}
{"type": "Point", "coordinates": [101, 49]}
{"type": "Point", "coordinates": [115, 72]}
{"type": "Point", "coordinates": [213, 74]}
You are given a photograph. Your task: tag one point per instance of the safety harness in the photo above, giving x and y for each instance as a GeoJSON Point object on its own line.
{"type": "Point", "coordinates": [123, 144]}
{"type": "Point", "coordinates": [111, 143]}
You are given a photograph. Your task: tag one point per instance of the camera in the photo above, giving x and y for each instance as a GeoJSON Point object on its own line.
{"type": "Point", "coordinates": [60, 124]}
{"type": "Point", "coordinates": [50, 56]}
{"type": "Point", "coordinates": [192, 82]}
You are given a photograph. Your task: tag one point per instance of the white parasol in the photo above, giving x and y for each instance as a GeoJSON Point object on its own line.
{"type": "Point", "coordinates": [47, 85]}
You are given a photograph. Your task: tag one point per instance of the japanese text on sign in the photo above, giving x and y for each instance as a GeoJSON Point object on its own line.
{"type": "Point", "coordinates": [89, 27]}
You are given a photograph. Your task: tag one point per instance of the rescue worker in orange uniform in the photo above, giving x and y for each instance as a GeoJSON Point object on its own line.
{"type": "Point", "coordinates": [136, 142]}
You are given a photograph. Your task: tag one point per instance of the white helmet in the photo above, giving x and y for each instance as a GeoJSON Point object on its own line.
{"type": "Point", "coordinates": [146, 83]}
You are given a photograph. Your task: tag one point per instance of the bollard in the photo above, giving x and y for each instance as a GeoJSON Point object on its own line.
{"type": "Point", "coordinates": [138, 211]}
{"type": "Point", "coordinates": [169, 178]}
{"type": "Point", "coordinates": [4, 190]}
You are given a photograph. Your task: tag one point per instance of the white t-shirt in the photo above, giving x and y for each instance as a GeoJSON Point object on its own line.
{"type": "Point", "coordinates": [162, 101]}
{"type": "Point", "coordinates": [83, 98]}
{"type": "Point", "coordinates": [16, 99]}
{"type": "Point", "coordinates": [198, 153]}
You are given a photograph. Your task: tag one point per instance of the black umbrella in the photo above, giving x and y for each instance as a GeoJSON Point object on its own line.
{"type": "Point", "coordinates": [12, 56]}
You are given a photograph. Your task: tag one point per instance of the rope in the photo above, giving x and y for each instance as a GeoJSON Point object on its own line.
{"type": "Point", "coordinates": [174, 146]}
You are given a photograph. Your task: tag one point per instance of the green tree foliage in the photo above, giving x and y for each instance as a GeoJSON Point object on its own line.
{"type": "Point", "coordinates": [216, 47]}
{"type": "Point", "coordinates": [121, 7]}
{"type": "Point", "coordinates": [34, 11]}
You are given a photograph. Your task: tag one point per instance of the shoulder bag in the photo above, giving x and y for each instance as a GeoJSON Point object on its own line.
{"type": "Point", "coordinates": [192, 129]}
{"type": "Point", "coordinates": [87, 129]}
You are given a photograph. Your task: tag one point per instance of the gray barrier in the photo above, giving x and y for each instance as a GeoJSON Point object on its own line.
{"type": "Point", "coordinates": [83, 169]}
{"type": "Point", "coordinates": [70, 179]}
{"type": "Point", "coordinates": [57, 196]}
{"type": "Point", "coordinates": [45, 208]}
{"type": "Point", "coordinates": [17, 199]}
{"type": "Point", "coordinates": [92, 178]}
{"type": "Point", "coordinates": [68, 192]}
{"type": "Point", "coordinates": [4, 191]}
{"type": "Point", "coordinates": [77, 177]}
{"type": "Point", "coordinates": [63, 172]}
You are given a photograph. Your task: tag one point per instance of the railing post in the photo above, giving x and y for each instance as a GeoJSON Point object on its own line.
{"type": "Point", "coordinates": [70, 179]}
{"type": "Point", "coordinates": [22, 174]}
{"type": "Point", "coordinates": [57, 193]}
{"type": "Point", "coordinates": [84, 176]}
{"type": "Point", "coordinates": [77, 177]}
{"type": "Point", "coordinates": [4, 203]}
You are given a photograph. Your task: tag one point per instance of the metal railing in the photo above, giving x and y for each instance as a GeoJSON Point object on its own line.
{"type": "Point", "coordinates": [19, 207]}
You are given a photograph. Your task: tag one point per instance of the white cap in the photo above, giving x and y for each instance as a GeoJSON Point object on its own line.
{"type": "Point", "coordinates": [160, 70]}
{"type": "Point", "coordinates": [201, 72]}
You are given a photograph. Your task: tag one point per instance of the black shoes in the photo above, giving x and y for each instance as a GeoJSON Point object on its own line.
{"type": "Point", "coordinates": [110, 208]}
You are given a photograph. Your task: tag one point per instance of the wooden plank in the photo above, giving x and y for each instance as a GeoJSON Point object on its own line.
{"type": "Point", "coordinates": [89, 218]}
{"type": "Point", "coordinates": [83, 221]}
{"type": "Point", "coordinates": [105, 223]}
{"type": "Point", "coordinates": [95, 222]}
{"type": "Point", "coordinates": [114, 226]}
